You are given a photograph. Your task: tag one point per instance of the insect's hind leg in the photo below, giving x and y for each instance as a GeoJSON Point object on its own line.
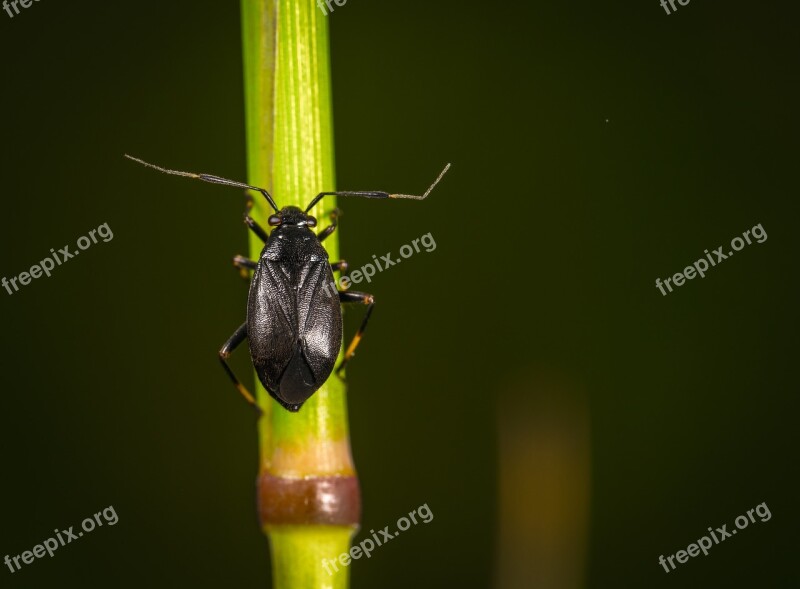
{"type": "Point", "coordinates": [365, 299]}
{"type": "Point", "coordinates": [229, 346]}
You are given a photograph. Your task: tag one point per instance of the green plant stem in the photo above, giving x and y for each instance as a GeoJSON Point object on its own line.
{"type": "Point", "coordinates": [290, 152]}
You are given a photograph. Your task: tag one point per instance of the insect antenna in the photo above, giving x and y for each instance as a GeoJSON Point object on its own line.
{"type": "Point", "coordinates": [378, 193]}
{"type": "Point", "coordinates": [208, 178]}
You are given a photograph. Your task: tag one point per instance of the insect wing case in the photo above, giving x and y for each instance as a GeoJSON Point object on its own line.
{"type": "Point", "coordinates": [294, 325]}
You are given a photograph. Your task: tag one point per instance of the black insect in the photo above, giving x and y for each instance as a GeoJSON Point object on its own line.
{"type": "Point", "coordinates": [294, 323]}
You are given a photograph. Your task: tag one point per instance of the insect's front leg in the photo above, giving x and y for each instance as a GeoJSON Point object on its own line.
{"type": "Point", "coordinates": [229, 346]}
{"type": "Point", "coordinates": [364, 298]}
{"type": "Point", "coordinates": [341, 265]}
{"type": "Point", "coordinates": [334, 216]}
{"type": "Point", "coordinates": [253, 225]}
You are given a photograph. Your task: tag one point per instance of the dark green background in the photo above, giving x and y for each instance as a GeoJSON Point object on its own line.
{"type": "Point", "coordinates": [595, 147]}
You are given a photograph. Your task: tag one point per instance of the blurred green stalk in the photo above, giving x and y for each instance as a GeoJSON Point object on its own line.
{"type": "Point", "coordinates": [309, 499]}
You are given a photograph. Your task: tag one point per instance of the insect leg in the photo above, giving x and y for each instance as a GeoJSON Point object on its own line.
{"type": "Point", "coordinates": [233, 342]}
{"type": "Point", "coordinates": [335, 214]}
{"type": "Point", "coordinates": [244, 264]}
{"type": "Point", "coordinates": [341, 265]}
{"type": "Point", "coordinates": [356, 297]}
{"type": "Point", "coordinates": [256, 228]}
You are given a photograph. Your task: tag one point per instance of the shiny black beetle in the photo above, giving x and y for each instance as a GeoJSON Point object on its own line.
{"type": "Point", "coordinates": [294, 323]}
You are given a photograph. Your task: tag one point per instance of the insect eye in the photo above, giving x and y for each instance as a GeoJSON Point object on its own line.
{"type": "Point", "coordinates": [274, 220]}
{"type": "Point", "coordinates": [312, 222]}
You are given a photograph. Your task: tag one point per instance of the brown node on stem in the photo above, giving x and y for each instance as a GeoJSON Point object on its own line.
{"type": "Point", "coordinates": [316, 500]}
